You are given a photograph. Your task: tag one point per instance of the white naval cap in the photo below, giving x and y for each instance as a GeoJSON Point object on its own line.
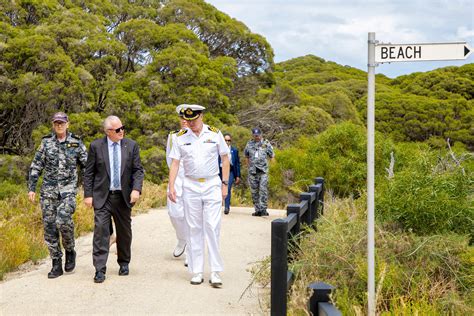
{"type": "Point", "coordinates": [190, 111]}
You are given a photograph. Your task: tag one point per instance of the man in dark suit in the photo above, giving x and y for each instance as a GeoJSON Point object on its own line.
{"type": "Point", "coordinates": [113, 181]}
{"type": "Point", "coordinates": [234, 174]}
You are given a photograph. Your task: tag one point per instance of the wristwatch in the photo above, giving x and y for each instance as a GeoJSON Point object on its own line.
{"type": "Point", "coordinates": [225, 182]}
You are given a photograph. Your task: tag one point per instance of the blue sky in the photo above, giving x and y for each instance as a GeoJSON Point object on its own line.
{"type": "Point", "coordinates": [337, 30]}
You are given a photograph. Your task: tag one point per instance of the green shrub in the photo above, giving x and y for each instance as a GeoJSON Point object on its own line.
{"type": "Point", "coordinates": [154, 162]}
{"type": "Point", "coordinates": [338, 154]}
{"type": "Point", "coordinates": [429, 194]}
{"type": "Point", "coordinates": [8, 189]}
{"type": "Point", "coordinates": [425, 275]}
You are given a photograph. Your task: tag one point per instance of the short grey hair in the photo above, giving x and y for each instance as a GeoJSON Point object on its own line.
{"type": "Point", "coordinates": [108, 121]}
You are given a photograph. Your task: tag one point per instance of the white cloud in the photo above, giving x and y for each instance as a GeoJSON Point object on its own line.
{"type": "Point", "coordinates": [337, 30]}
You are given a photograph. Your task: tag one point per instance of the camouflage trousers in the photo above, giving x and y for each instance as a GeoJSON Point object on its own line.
{"type": "Point", "coordinates": [259, 188]}
{"type": "Point", "coordinates": [57, 219]}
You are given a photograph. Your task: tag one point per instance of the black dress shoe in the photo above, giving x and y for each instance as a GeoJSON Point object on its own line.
{"type": "Point", "coordinates": [123, 270]}
{"type": "Point", "coordinates": [226, 211]}
{"type": "Point", "coordinates": [99, 277]}
{"type": "Point", "coordinates": [265, 213]}
{"type": "Point", "coordinates": [256, 214]}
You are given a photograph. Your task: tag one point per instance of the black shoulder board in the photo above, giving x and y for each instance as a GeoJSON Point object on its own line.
{"type": "Point", "coordinates": [182, 132]}
{"type": "Point", "coordinates": [174, 132]}
{"type": "Point", "coordinates": [213, 129]}
{"type": "Point", "coordinates": [76, 136]}
{"type": "Point", "coordinates": [48, 136]}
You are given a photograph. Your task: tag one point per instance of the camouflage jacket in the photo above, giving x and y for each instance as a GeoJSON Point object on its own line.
{"type": "Point", "coordinates": [258, 152]}
{"type": "Point", "coordinates": [59, 161]}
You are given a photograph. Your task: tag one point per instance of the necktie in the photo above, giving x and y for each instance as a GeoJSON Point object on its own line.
{"type": "Point", "coordinates": [116, 180]}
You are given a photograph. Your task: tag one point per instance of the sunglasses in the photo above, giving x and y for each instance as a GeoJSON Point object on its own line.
{"type": "Point", "coordinates": [228, 140]}
{"type": "Point", "coordinates": [117, 130]}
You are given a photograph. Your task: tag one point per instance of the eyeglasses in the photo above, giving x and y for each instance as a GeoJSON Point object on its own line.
{"type": "Point", "coordinates": [117, 130]}
{"type": "Point", "coordinates": [59, 123]}
{"type": "Point", "coordinates": [228, 140]}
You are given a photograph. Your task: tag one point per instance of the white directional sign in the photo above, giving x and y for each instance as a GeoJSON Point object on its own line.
{"type": "Point", "coordinates": [388, 53]}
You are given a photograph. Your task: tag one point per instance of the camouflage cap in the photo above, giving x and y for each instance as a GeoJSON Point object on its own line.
{"type": "Point", "coordinates": [256, 131]}
{"type": "Point", "coordinates": [60, 117]}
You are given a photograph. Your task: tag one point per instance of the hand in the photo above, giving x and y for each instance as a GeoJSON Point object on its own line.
{"type": "Point", "coordinates": [237, 180]}
{"type": "Point", "coordinates": [172, 194]}
{"type": "Point", "coordinates": [31, 196]}
{"type": "Point", "coordinates": [134, 196]}
{"type": "Point", "coordinates": [224, 191]}
{"type": "Point", "coordinates": [88, 201]}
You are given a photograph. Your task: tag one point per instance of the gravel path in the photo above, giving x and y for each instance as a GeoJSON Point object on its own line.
{"type": "Point", "coordinates": [157, 284]}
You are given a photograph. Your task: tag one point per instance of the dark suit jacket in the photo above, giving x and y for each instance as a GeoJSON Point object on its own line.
{"type": "Point", "coordinates": [235, 163]}
{"type": "Point", "coordinates": [97, 172]}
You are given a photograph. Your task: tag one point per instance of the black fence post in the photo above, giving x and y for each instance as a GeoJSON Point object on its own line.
{"type": "Point", "coordinates": [295, 208]}
{"type": "Point", "coordinates": [279, 267]}
{"type": "Point", "coordinates": [316, 189]}
{"type": "Point", "coordinates": [320, 180]}
{"type": "Point", "coordinates": [321, 293]}
{"type": "Point", "coordinates": [308, 217]}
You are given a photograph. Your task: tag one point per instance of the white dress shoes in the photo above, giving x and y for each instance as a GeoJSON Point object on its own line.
{"type": "Point", "coordinates": [215, 280]}
{"type": "Point", "coordinates": [197, 279]}
{"type": "Point", "coordinates": [179, 250]}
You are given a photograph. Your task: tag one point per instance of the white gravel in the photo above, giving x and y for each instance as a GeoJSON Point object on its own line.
{"type": "Point", "coordinates": [158, 283]}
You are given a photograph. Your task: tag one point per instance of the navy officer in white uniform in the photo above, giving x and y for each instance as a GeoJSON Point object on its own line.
{"type": "Point", "coordinates": [176, 210]}
{"type": "Point", "coordinates": [199, 146]}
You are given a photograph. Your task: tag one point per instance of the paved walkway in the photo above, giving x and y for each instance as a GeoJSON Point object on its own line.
{"type": "Point", "coordinates": [157, 284]}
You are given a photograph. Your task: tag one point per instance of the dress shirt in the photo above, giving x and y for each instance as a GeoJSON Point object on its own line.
{"type": "Point", "coordinates": [110, 146]}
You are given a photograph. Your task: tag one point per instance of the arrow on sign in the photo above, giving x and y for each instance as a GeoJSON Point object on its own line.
{"type": "Point", "coordinates": [388, 53]}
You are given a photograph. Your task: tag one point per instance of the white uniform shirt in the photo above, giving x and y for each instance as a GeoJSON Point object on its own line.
{"type": "Point", "coordinates": [179, 179]}
{"type": "Point", "coordinates": [199, 154]}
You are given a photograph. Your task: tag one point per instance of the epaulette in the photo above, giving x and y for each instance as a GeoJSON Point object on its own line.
{"type": "Point", "coordinates": [213, 129]}
{"type": "Point", "coordinates": [76, 136]}
{"type": "Point", "coordinates": [174, 132]}
{"type": "Point", "coordinates": [48, 136]}
{"type": "Point", "coordinates": [182, 132]}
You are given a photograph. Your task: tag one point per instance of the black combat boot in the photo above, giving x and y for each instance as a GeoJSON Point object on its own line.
{"type": "Point", "coordinates": [70, 261]}
{"type": "Point", "coordinates": [57, 269]}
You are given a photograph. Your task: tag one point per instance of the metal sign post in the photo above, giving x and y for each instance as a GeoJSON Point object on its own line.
{"type": "Point", "coordinates": [370, 175]}
{"type": "Point", "coordinates": [387, 53]}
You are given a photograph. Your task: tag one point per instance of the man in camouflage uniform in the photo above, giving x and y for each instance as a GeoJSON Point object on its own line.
{"type": "Point", "coordinates": [257, 151]}
{"type": "Point", "coordinates": [58, 156]}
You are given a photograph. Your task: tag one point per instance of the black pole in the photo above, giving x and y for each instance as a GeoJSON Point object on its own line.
{"type": "Point", "coordinates": [321, 193]}
{"type": "Point", "coordinates": [321, 292]}
{"type": "Point", "coordinates": [308, 218]}
{"type": "Point", "coordinates": [279, 267]}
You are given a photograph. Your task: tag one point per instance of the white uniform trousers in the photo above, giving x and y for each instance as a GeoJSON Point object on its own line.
{"type": "Point", "coordinates": [202, 211]}
{"type": "Point", "coordinates": [176, 213]}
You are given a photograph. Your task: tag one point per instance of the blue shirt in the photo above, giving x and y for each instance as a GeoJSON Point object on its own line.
{"type": "Point", "coordinates": [110, 146]}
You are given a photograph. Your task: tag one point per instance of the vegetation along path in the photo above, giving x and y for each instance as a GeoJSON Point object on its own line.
{"type": "Point", "coordinates": [158, 283]}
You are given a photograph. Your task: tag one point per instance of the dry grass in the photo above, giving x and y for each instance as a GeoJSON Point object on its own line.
{"type": "Point", "coordinates": [424, 275]}
{"type": "Point", "coordinates": [21, 227]}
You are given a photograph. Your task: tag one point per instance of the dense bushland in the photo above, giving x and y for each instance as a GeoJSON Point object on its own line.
{"type": "Point", "coordinates": [138, 60]}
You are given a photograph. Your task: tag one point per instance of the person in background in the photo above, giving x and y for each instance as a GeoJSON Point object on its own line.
{"type": "Point", "coordinates": [234, 174]}
{"type": "Point", "coordinates": [198, 147]}
{"type": "Point", "coordinates": [257, 152]}
{"type": "Point", "coordinates": [57, 158]}
{"type": "Point", "coordinates": [113, 181]}
{"type": "Point", "coordinates": [176, 210]}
